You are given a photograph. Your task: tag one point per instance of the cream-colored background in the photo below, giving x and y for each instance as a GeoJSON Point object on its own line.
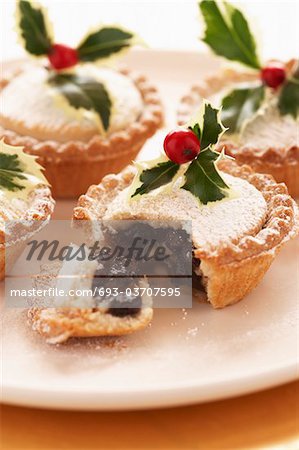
{"type": "Point", "coordinates": [163, 24]}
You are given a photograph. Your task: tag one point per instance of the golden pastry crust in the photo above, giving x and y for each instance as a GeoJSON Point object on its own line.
{"type": "Point", "coordinates": [73, 166]}
{"type": "Point", "coordinates": [236, 268]}
{"type": "Point", "coordinates": [40, 208]}
{"type": "Point", "coordinates": [58, 325]}
{"type": "Point", "coordinates": [280, 162]}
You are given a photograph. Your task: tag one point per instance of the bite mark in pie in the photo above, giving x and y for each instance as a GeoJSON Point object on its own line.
{"type": "Point", "coordinates": [235, 240]}
{"type": "Point", "coordinates": [86, 316]}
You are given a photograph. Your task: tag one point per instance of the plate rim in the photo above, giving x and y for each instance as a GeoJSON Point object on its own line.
{"type": "Point", "coordinates": [177, 394]}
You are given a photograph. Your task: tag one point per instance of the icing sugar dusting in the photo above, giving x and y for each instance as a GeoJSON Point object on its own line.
{"type": "Point", "coordinates": [29, 102]}
{"type": "Point", "coordinates": [269, 129]}
{"type": "Point", "coordinates": [214, 224]}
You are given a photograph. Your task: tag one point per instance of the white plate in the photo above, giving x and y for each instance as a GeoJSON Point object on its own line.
{"type": "Point", "coordinates": [185, 356]}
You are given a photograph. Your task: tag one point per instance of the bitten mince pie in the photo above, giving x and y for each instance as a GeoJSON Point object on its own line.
{"type": "Point", "coordinates": [240, 219]}
{"type": "Point", "coordinates": [108, 297]}
{"type": "Point", "coordinates": [260, 104]}
{"type": "Point", "coordinates": [81, 119]}
{"type": "Point", "coordinates": [25, 197]}
{"type": "Point", "coordinates": [87, 316]}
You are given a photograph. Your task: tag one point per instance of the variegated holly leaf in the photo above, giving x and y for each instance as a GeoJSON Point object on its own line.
{"type": "Point", "coordinates": [228, 34]}
{"type": "Point", "coordinates": [288, 101]}
{"type": "Point", "coordinates": [84, 92]}
{"type": "Point", "coordinates": [202, 178]}
{"type": "Point", "coordinates": [17, 169]}
{"type": "Point", "coordinates": [156, 176]}
{"type": "Point", "coordinates": [104, 43]}
{"type": "Point", "coordinates": [207, 126]}
{"type": "Point", "coordinates": [240, 105]}
{"type": "Point", "coordinates": [33, 28]}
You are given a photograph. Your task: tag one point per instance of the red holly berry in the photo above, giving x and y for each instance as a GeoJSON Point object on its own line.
{"type": "Point", "coordinates": [62, 56]}
{"type": "Point", "coordinates": [273, 75]}
{"type": "Point", "coordinates": [181, 146]}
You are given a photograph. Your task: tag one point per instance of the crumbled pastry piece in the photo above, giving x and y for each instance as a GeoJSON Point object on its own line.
{"type": "Point", "coordinates": [86, 316]}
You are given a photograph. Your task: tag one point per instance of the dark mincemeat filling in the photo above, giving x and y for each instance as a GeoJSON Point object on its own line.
{"type": "Point", "coordinates": [121, 305]}
{"type": "Point", "coordinates": [128, 306]}
{"type": "Point", "coordinates": [196, 279]}
{"type": "Point", "coordinates": [131, 305]}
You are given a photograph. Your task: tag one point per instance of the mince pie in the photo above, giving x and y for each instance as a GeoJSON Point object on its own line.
{"type": "Point", "coordinates": [80, 119]}
{"type": "Point", "coordinates": [260, 103]}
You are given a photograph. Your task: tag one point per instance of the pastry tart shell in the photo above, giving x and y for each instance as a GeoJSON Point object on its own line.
{"type": "Point", "coordinates": [235, 269]}
{"type": "Point", "coordinates": [41, 206]}
{"type": "Point", "coordinates": [73, 166]}
{"type": "Point", "coordinates": [58, 325]}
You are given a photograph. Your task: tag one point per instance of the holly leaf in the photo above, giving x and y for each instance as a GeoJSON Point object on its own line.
{"type": "Point", "coordinates": [103, 43]}
{"type": "Point", "coordinates": [228, 34]}
{"type": "Point", "coordinates": [84, 92]}
{"type": "Point", "coordinates": [288, 102]}
{"type": "Point", "coordinates": [10, 172]}
{"type": "Point", "coordinates": [239, 105]}
{"type": "Point", "coordinates": [207, 127]}
{"type": "Point", "coordinates": [18, 170]}
{"type": "Point", "coordinates": [33, 28]}
{"type": "Point", "coordinates": [196, 130]}
{"type": "Point", "coordinates": [202, 178]}
{"type": "Point", "coordinates": [156, 177]}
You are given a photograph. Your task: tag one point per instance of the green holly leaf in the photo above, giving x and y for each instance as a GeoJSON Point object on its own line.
{"type": "Point", "coordinates": [212, 127]}
{"type": "Point", "coordinates": [202, 178]}
{"type": "Point", "coordinates": [33, 28]}
{"type": "Point", "coordinates": [18, 171]}
{"type": "Point", "coordinates": [156, 176]}
{"type": "Point", "coordinates": [10, 172]}
{"type": "Point", "coordinates": [207, 126]}
{"type": "Point", "coordinates": [241, 104]}
{"type": "Point", "coordinates": [288, 102]}
{"type": "Point", "coordinates": [227, 33]}
{"type": "Point", "coordinates": [84, 92]}
{"type": "Point", "coordinates": [196, 130]}
{"type": "Point", "coordinates": [103, 43]}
